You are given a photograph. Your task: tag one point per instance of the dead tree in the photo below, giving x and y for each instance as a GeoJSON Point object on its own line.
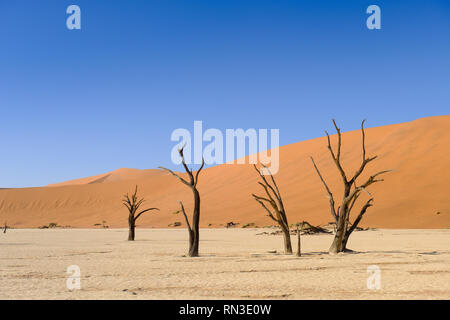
{"type": "Point", "coordinates": [5, 227]}
{"type": "Point", "coordinates": [299, 244]}
{"type": "Point", "coordinates": [352, 192]}
{"type": "Point", "coordinates": [133, 205]}
{"type": "Point", "coordinates": [275, 201]}
{"type": "Point", "coordinates": [193, 230]}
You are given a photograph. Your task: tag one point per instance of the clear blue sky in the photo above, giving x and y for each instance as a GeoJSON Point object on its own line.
{"type": "Point", "coordinates": [79, 103]}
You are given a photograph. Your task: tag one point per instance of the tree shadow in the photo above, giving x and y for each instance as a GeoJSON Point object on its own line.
{"type": "Point", "coordinates": [398, 252]}
{"type": "Point", "coordinates": [314, 254]}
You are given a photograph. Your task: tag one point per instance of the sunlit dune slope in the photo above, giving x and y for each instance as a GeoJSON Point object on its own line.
{"type": "Point", "coordinates": [415, 195]}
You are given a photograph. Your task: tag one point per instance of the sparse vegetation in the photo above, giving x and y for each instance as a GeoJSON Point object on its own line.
{"type": "Point", "coordinates": [249, 225]}
{"type": "Point", "coordinates": [231, 224]}
{"type": "Point", "coordinates": [52, 225]}
{"type": "Point", "coordinates": [175, 224]}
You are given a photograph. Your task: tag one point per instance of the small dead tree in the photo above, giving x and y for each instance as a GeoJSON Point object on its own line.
{"type": "Point", "coordinates": [352, 191]}
{"type": "Point", "coordinates": [133, 204]}
{"type": "Point", "coordinates": [5, 227]}
{"type": "Point", "coordinates": [299, 243]}
{"type": "Point", "coordinates": [275, 201]}
{"type": "Point", "coordinates": [194, 233]}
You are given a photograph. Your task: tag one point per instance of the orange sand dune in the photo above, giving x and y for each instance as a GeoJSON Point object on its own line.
{"type": "Point", "coordinates": [116, 175]}
{"type": "Point", "coordinates": [414, 195]}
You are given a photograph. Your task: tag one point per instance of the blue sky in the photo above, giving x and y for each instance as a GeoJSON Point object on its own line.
{"type": "Point", "coordinates": [82, 102]}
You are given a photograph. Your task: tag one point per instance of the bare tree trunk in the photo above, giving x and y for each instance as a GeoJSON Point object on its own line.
{"type": "Point", "coordinates": [344, 242]}
{"type": "Point", "coordinates": [336, 246]}
{"type": "Point", "coordinates": [131, 228]}
{"type": "Point", "coordinates": [299, 243]}
{"type": "Point", "coordinates": [194, 238]}
{"type": "Point", "coordinates": [287, 240]}
{"type": "Point", "coordinates": [339, 244]}
{"type": "Point", "coordinates": [191, 242]}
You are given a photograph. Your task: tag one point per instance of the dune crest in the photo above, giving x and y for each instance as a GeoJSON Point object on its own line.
{"type": "Point", "coordinates": [116, 175]}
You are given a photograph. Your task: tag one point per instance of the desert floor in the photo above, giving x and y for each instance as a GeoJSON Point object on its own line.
{"type": "Point", "coordinates": [234, 264]}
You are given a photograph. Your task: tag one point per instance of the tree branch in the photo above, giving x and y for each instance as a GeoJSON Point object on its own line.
{"type": "Point", "coordinates": [330, 195]}
{"type": "Point", "coordinates": [198, 172]}
{"type": "Point", "coordinates": [371, 180]}
{"type": "Point", "coordinates": [177, 176]}
{"type": "Point", "coordinates": [143, 211]}
{"type": "Point", "coordinates": [336, 158]}
{"type": "Point", "coordinates": [183, 162]}
{"type": "Point", "coordinates": [264, 206]}
{"type": "Point", "coordinates": [361, 214]}
{"type": "Point", "coordinates": [185, 216]}
{"type": "Point", "coordinates": [267, 185]}
{"type": "Point", "coordinates": [261, 198]}
{"type": "Point", "coordinates": [364, 160]}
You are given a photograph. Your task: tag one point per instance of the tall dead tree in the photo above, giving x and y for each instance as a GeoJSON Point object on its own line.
{"type": "Point", "coordinates": [133, 204]}
{"type": "Point", "coordinates": [352, 191]}
{"type": "Point", "coordinates": [275, 201]}
{"type": "Point", "coordinates": [194, 234]}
